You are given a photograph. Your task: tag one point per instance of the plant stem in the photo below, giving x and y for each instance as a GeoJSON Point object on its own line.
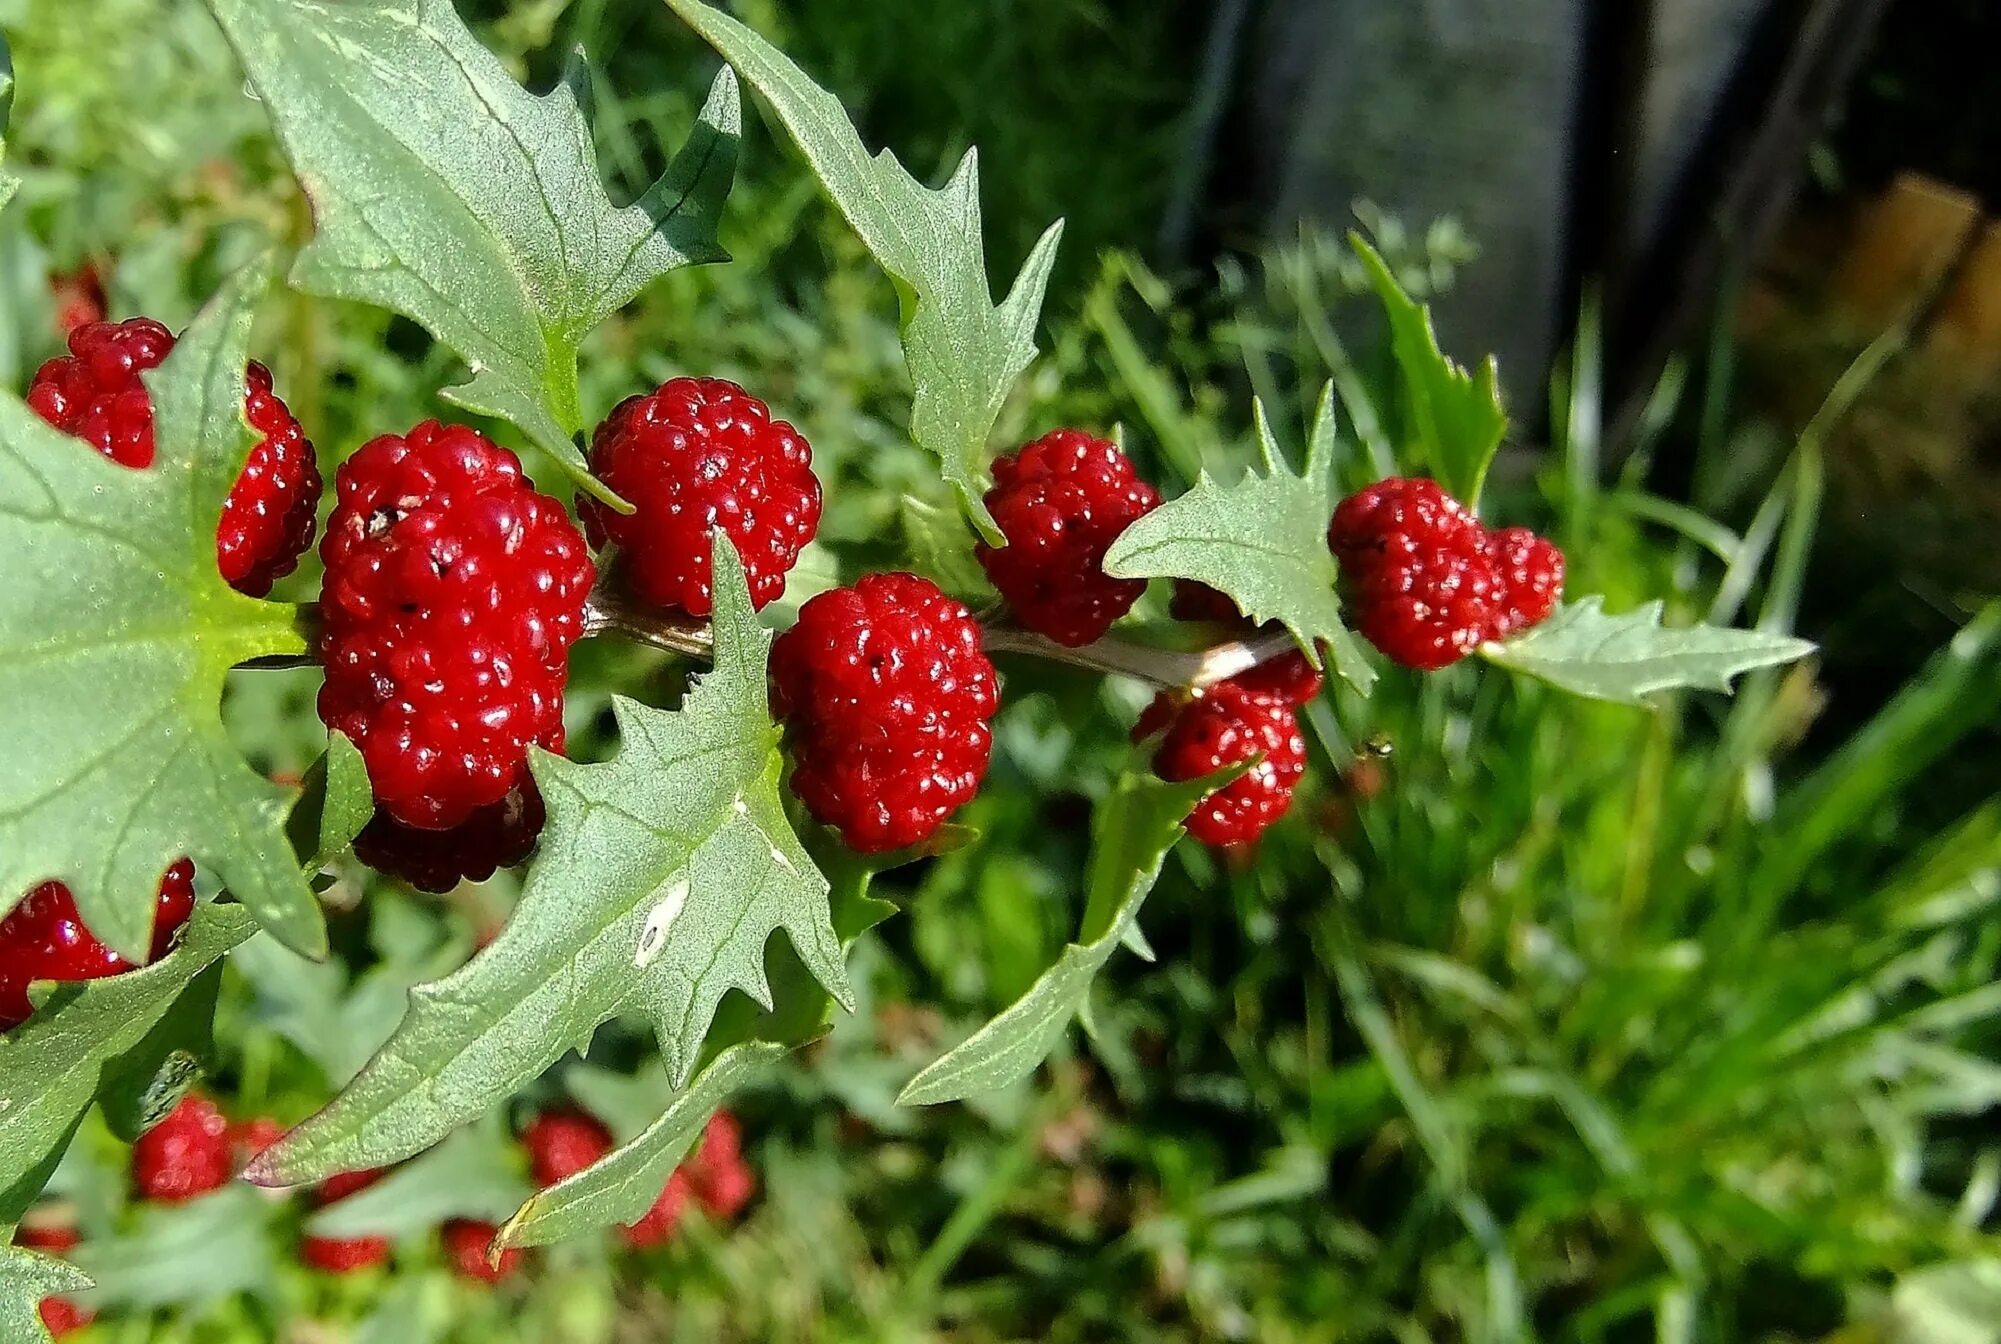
{"type": "Point", "coordinates": [611, 613]}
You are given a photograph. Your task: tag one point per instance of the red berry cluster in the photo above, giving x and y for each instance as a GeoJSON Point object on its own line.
{"type": "Point", "coordinates": [453, 594]}
{"type": "Point", "coordinates": [1432, 583]}
{"type": "Point", "coordinates": [1251, 715]}
{"type": "Point", "coordinates": [95, 393]}
{"type": "Point", "coordinates": [43, 938]}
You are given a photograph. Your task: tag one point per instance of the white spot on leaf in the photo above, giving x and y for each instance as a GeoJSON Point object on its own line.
{"type": "Point", "coordinates": [653, 938]}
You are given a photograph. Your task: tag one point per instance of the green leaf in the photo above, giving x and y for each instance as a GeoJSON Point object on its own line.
{"type": "Point", "coordinates": [1262, 541]}
{"type": "Point", "coordinates": [26, 1277]}
{"type": "Point", "coordinates": [51, 1067]}
{"type": "Point", "coordinates": [1132, 833]}
{"type": "Point", "coordinates": [8, 182]}
{"type": "Point", "coordinates": [444, 191]}
{"type": "Point", "coordinates": [177, 1255]}
{"type": "Point", "coordinates": [149, 1080]}
{"type": "Point", "coordinates": [476, 1173]}
{"type": "Point", "coordinates": [622, 1187]}
{"type": "Point", "coordinates": [335, 802]}
{"type": "Point", "coordinates": [660, 878]}
{"type": "Point", "coordinates": [312, 1005]}
{"type": "Point", "coordinates": [1455, 417]}
{"type": "Point", "coordinates": [1626, 658]}
{"type": "Point", "coordinates": [964, 352]}
{"type": "Point", "coordinates": [941, 548]}
{"type": "Point", "coordinates": [116, 633]}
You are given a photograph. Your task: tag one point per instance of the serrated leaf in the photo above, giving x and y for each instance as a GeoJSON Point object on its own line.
{"type": "Point", "coordinates": [8, 182]}
{"type": "Point", "coordinates": [116, 634]}
{"type": "Point", "coordinates": [149, 1080]}
{"type": "Point", "coordinates": [476, 1173]}
{"type": "Point", "coordinates": [51, 1066]}
{"type": "Point", "coordinates": [1455, 417]}
{"type": "Point", "coordinates": [26, 1277]}
{"type": "Point", "coordinates": [1262, 541]}
{"type": "Point", "coordinates": [335, 802]}
{"type": "Point", "coordinates": [1132, 834]}
{"type": "Point", "coordinates": [964, 351]}
{"type": "Point", "coordinates": [622, 1186]}
{"type": "Point", "coordinates": [1628, 657]}
{"type": "Point", "coordinates": [658, 883]}
{"type": "Point", "coordinates": [444, 191]}
{"type": "Point", "coordinates": [177, 1255]}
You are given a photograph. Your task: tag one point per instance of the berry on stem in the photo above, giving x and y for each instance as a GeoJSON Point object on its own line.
{"type": "Point", "coordinates": [44, 938]}
{"type": "Point", "coordinates": [1223, 726]}
{"type": "Point", "coordinates": [498, 835]}
{"type": "Point", "coordinates": [185, 1155]}
{"type": "Point", "coordinates": [691, 456]}
{"type": "Point", "coordinates": [466, 1242]}
{"type": "Point", "coordinates": [1431, 583]}
{"type": "Point", "coordinates": [95, 393]}
{"type": "Point", "coordinates": [453, 594]}
{"type": "Point", "coordinates": [562, 1143]}
{"type": "Point", "coordinates": [888, 696]}
{"type": "Point", "coordinates": [1061, 502]}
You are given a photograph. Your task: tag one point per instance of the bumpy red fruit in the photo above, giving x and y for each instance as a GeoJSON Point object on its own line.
{"type": "Point", "coordinates": [60, 1316]}
{"type": "Point", "coordinates": [1426, 586]}
{"type": "Point", "coordinates": [1288, 676]}
{"type": "Point", "coordinates": [466, 1242]}
{"type": "Point", "coordinates": [44, 938]}
{"type": "Point", "coordinates": [185, 1155]}
{"type": "Point", "coordinates": [1531, 570]}
{"type": "Point", "coordinates": [343, 1255]}
{"type": "Point", "coordinates": [95, 393]}
{"type": "Point", "coordinates": [1194, 601]}
{"type": "Point", "coordinates": [694, 455]}
{"type": "Point", "coordinates": [562, 1143]}
{"type": "Point", "coordinates": [718, 1177]}
{"type": "Point", "coordinates": [1061, 502]}
{"type": "Point", "coordinates": [1222, 726]}
{"type": "Point", "coordinates": [657, 1225]}
{"type": "Point", "coordinates": [453, 594]}
{"type": "Point", "coordinates": [496, 836]}
{"type": "Point", "coordinates": [888, 697]}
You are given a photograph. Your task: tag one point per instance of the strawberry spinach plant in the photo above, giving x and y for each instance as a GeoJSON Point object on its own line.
{"type": "Point", "coordinates": [815, 738]}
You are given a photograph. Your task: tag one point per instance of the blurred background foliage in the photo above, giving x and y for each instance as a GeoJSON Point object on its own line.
{"type": "Point", "coordinates": [1537, 1019]}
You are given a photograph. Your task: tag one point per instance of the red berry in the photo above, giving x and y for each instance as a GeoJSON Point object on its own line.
{"type": "Point", "coordinates": [656, 1226]}
{"type": "Point", "coordinates": [185, 1155]}
{"type": "Point", "coordinates": [48, 1238]}
{"type": "Point", "coordinates": [453, 594]}
{"type": "Point", "coordinates": [718, 1177]}
{"type": "Point", "coordinates": [466, 1243]}
{"type": "Point", "coordinates": [95, 393]}
{"type": "Point", "coordinates": [344, 1255]}
{"type": "Point", "coordinates": [888, 696]}
{"type": "Point", "coordinates": [1288, 676]}
{"type": "Point", "coordinates": [1061, 502]}
{"type": "Point", "coordinates": [1531, 579]}
{"type": "Point", "coordinates": [696, 454]}
{"type": "Point", "coordinates": [562, 1143]}
{"type": "Point", "coordinates": [60, 1316]}
{"type": "Point", "coordinates": [249, 1139]}
{"type": "Point", "coordinates": [498, 835]}
{"type": "Point", "coordinates": [1222, 726]}
{"type": "Point", "coordinates": [1427, 590]}
{"type": "Point", "coordinates": [44, 938]}
{"type": "Point", "coordinates": [1194, 601]}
